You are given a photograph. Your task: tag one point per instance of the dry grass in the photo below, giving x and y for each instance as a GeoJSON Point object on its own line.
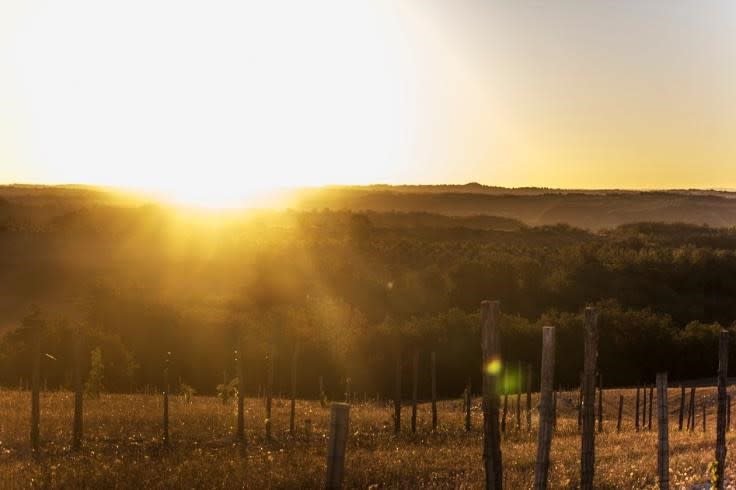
{"type": "Point", "coordinates": [122, 446]}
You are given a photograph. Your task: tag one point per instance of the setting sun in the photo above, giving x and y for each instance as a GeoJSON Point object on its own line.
{"type": "Point", "coordinates": [213, 106]}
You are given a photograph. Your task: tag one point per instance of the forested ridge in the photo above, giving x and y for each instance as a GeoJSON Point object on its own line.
{"type": "Point", "coordinates": [352, 288]}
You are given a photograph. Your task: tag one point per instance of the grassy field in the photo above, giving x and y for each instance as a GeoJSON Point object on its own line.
{"type": "Point", "coordinates": [123, 450]}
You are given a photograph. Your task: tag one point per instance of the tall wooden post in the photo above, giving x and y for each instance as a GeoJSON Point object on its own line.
{"type": "Point", "coordinates": [651, 403]}
{"type": "Point", "coordinates": [434, 390]}
{"type": "Point", "coordinates": [636, 411]}
{"type": "Point", "coordinates": [35, 390]}
{"type": "Point", "coordinates": [414, 390]}
{"type": "Point", "coordinates": [529, 397]}
{"type": "Point", "coordinates": [78, 394]}
{"type": "Point", "coordinates": [554, 410]}
{"type": "Point", "coordinates": [519, 379]}
{"type": "Point", "coordinates": [468, 405]}
{"type": "Point", "coordinates": [728, 414]}
{"type": "Point", "coordinates": [239, 362]}
{"type": "Point", "coordinates": [166, 399]}
{"type": "Point", "coordinates": [691, 411]}
{"type": "Point", "coordinates": [600, 403]}
{"type": "Point", "coordinates": [336, 445]}
{"type": "Point", "coordinates": [544, 438]}
{"type": "Point", "coordinates": [644, 408]}
{"type": "Point", "coordinates": [294, 365]}
{"type": "Point", "coordinates": [587, 464]}
{"type": "Point", "coordinates": [682, 407]}
{"type": "Point", "coordinates": [704, 416]}
{"type": "Point", "coordinates": [620, 412]}
{"type": "Point", "coordinates": [663, 451]}
{"type": "Point", "coordinates": [269, 394]}
{"type": "Point", "coordinates": [491, 347]}
{"type": "Point", "coordinates": [397, 394]}
{"type": "Point", "coordinates": [505, 384]}
{"type": "Point", "coordinates": [722, 407]}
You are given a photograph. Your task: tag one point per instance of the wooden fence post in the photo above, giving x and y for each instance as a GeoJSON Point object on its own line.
{"type": "Point", "coordinates": [600, 403]}
{"type": "Point", "coordinates": [644, 408]}
{"type": "Point", "coordinates": [35, 388]}
{"type": "Point", "coordinates": [587, 461]}
{"type": "Point", "coordinates": [620, 412]}
{"type": "Point", "coordinates": [166, 400]}
{"type": "Point", "coordinates": [78, 394]}
{"type": "Point", "coordinates": [414, 391]}
{"type": "Point", "coordinates": [468, 405]}
{"type": "Point", "coordinates": [728, 414]}
{"type": "Point", "coordinates": [544, 438]}
{"type": "Point", "coordinates": [691, 410]}
{"type": "Point", "coordinates": [663, 451]}
{"type": "Point", "coordinates": [433, 358]}
{"type": "Point", "coordinates": [529, 397]}
{"type": "Point", "coordinates": [239, 361]}
{"type": "Point", "coordinates": [651, 403]}
{"type": "Point", "coordinates": [292, 413]}
{"type": "Point", "coordinates": [519, 378]}
{"type": "Point", "coordinates": [491, 347]}
{"type": "Point", "coordinates": [504, 381]}
{"type": "Point", "coordinates": [636, 411]}
{"type": "Point", "coordinates": [336, 445]}
{"type": "Point", "coordinates": [397, 394]}
{"type": "Point", "coordinates": [554, 410]}
{"type": "Point", "coordinates": [682, 407]}
{"type": "Point", "coordinates": [722, 408]}
{"type": "Point", "coordinates": [704, 416]}
{"type": "Point", "coordinates": [269, 394]}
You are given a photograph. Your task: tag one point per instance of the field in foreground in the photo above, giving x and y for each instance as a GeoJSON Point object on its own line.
{"type": "Point", "coordinates": [123, 450]}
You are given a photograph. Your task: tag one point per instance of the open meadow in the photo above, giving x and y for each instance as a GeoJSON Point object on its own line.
{"type": "Point", "coordinates": [123, 449]}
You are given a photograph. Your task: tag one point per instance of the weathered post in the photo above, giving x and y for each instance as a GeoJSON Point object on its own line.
{"type": "Point", "coordinates": [339, 420]}
{"type": "Point", "coordinates": [644, 408]}
{"type": "Point", "coordinates": [587, 463]}
{"type": "Point", "coordinates": [269, 394]}
{"type": "Point", "coordinates": [166, 400]}
{"type": "Point", "coordinates": [529, 397]}
{"type": "Point", "coordinates": [504, 377]}
{"type": "Point", "coordinates": [722, 408]}
{"type": "Point", "coordinates": [294, 365]}
{"type": "Point", "coordinates": [682, 407]}
{"type": "Point", "coordinates": [554, 410]}
{"type": "Point", "coordinates": [35, 388]}
{"type": "Point", "coordinates": [728, 414]}
{"type": "Point", "coordinates": [468, 405]}
{"type": "Point", "coordinates": [704, 416]}
{"type": "Point", "coordinates": [397, 394]}
{"type": "Point", "coordinates": [518, 395]}
{"type": "Point", "coordinates": [546, 410]}
{"type": "Point", "coordinates": [600, 403]}
{"type": "Point", "coordinates": [433, 358]}
{"type": "Point", "coordinates": [414, 390]}
{"type": "Point", "coordinates": [620, 412]}
{"type": "Point", "coordinates": [239, 362]}
{"type": "Point", "coordinates": [636, 411]}
{"type": "Point", "coordinates": [491, 347]}
{"type": "Point", "coordinates": [78, 394]}
{"type": "Point", "coordinates": [651, 403]}
{"type": "Point", "coordinates": [691, 412]}
{"type": "Point", "coordinates": [663, 450]}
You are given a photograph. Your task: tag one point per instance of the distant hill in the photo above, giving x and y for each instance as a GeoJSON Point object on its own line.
{"type": "Point", "coordinates": [585, 209]}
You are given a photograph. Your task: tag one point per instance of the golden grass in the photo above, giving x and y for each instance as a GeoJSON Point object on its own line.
{"type": "Point", "coordinates": [122, 446]}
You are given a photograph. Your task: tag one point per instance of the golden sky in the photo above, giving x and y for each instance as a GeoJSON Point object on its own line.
{"type": "Point", "coordinates": [211, 101]}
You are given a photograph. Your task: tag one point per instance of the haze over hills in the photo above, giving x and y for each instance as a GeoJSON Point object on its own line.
{"type": "Point", "coordinates": [589, 209]}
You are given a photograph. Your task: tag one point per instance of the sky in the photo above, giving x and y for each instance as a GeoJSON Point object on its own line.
{"type": "Point", "coordinates": [211, 101]}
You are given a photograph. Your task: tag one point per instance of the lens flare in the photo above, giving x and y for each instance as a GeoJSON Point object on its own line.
{"type": "Point", "coordinates": [494, 367]}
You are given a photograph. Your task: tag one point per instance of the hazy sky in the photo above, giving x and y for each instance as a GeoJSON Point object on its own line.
{"type": "Point", "coordinates": [217, 98]}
